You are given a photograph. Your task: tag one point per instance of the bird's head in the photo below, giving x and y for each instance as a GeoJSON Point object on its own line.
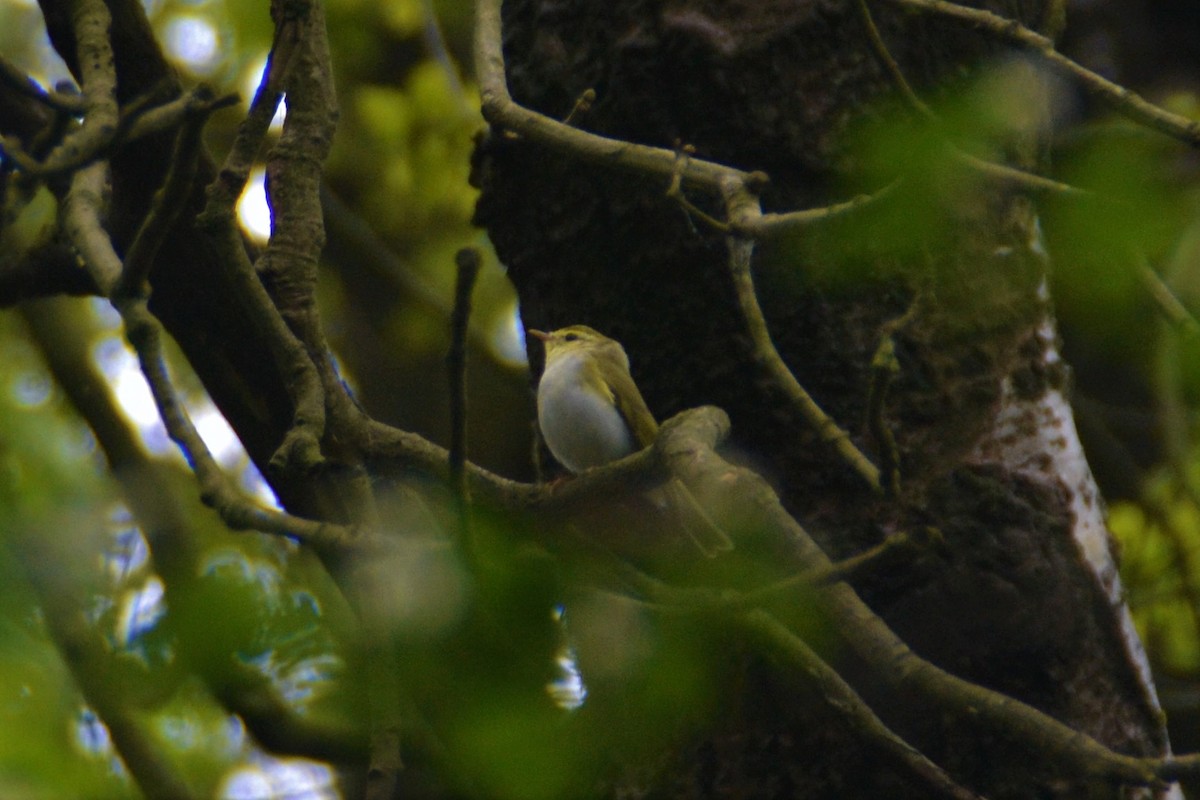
{"type": "Point", "coordinates": [574, 339]}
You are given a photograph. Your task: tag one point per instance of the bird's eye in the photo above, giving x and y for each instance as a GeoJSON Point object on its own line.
{"type": "Point", "coordinates": [571, 337]}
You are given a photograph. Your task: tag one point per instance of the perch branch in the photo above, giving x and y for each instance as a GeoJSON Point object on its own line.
{"type": "Point", "coordinates": [891, 663]}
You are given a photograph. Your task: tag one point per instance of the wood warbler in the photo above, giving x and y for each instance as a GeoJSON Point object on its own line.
{"type": "Point", "coordinates": [591, 412]}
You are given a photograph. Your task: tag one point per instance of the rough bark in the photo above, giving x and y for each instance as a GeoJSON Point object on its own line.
{"type": "Point", "coordinates": [1023, 598]}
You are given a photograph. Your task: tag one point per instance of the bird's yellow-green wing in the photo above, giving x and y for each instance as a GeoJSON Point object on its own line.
{"type": "Point", "coordinates": [633, 408]}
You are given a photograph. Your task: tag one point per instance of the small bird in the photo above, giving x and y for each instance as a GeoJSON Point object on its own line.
{"type": "Point", "coordinates": [591, 412]}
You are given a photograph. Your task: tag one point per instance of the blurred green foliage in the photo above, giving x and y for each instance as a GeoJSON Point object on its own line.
{"type": "Point", "coordinates": [50, 487]}
{"type": "Point", "coordinates": [65, 532]}
{"type": "Point", "coordinates": [1161, 565]}
{"type": "Point", "coordinates": [483, 638]}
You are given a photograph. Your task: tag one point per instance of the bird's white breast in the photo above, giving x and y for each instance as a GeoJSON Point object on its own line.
{"type": "Point", "coordinates": [582, 428]}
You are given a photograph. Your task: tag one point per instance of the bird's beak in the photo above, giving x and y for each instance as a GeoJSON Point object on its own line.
{"type": "Point", "coordinates": [541, 336]}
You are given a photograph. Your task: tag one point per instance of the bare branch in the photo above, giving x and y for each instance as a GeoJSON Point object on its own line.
{"type": "Point", "coordinates": [98, 81]}
{"type": "Point", "coordinates": [84, 202]}
{"type": "Point", "coordinates": [1001, 173]}
{"type": "Point", "coordinates": [82, 211]}
{"type": "Point", "coordinates": [500, 110]}
{"type": "Point", "coordinates": [467, 261]}
{"type": "Point", "coordinates": [57, 101]}
{"type": "Point", "coordinates": [225, 190]}
{"type": "Point", "coordinates": [780, 643]}
{"type": "Point", "coordinates": [288, 267]}
{"type": "Point", "coordinates": [768, 358]}
{"type": "Point", "coordinates": [884, 368]}
{"type": "Point", "coordinates": [164, 212]}
{"type": "Point", "coordinates": [1121, 99]}
{"type": "Point", "coordinates": [216, 489]}
{"type": "Point", "coordinates": [746, 217]}
{"type": "Point", "coordinates": [891, 663]}
{"type": "Point", "coordinates": [889, 64]}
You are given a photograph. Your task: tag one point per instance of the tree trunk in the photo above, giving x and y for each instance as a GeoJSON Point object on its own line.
{"type": "Point", "coordinates": [1023, 595]}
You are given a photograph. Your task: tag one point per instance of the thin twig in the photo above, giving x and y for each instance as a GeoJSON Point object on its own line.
{"type": "Point", "coordinates": [1118, 97]}
{"type": "Point", "coordinates": [164, 209]}
{"type": "Point", "coordinates": [583, 104]}
{"type": "Point", "coordinates": [435, 43]}
{"type": "Point", "coordinates": [683, 155]}
{"type": "Point", "coordinates": [58, 101]}
{"type": "Point", "coordinates": [1171, 307]}
{"type": "Point", "coordinates": [235, 171]}
{"type": "Point", "coordinates": [168, 115]}
{"type": "Point", "coordinates": [768, 358]}
{"type": "Point", "coordinates": [748, 219]}
{"type": "Point", "coordinates": [289, 265]}
{"type": "Point", "coordinates": [145, 334]}
{"type": "Point", "coordinates": [81, 214]}
{"type": "Point", "coordinates": [500, 110]}
{"type": "Point", "coordinates": [781, 643]}
{"type": "Point", "coordinates": [467, 261]}
{"type": "Point", "coordinates": [998, 172]}
{"type": "Point", "coordinates": [98, 79]}
{"type": "Point", "coordinates": [896, 548]}
{"type": "Point", "coordinates": [884, 368]}
{"type": "Point", "coordinates": [889, 64]}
